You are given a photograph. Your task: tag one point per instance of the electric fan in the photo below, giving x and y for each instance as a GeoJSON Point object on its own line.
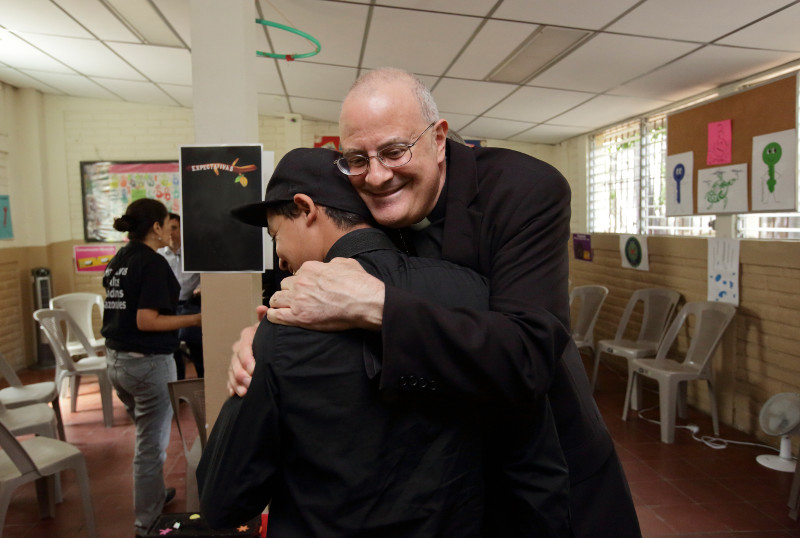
{"type": "Point", "coordinates": [780, 415]}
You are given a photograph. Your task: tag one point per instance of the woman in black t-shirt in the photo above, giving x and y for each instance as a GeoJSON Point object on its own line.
{"type": "Point", "coordinates": [141, 331]}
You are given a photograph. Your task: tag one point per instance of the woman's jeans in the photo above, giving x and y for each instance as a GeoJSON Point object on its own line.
{"type": "Point", "coordinates": [141, 384]}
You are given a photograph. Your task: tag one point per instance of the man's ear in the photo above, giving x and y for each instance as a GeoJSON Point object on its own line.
{"type": "Point", "coordinates": [307, 207]}
{"type": "Point", "coordinates": [440, 137]}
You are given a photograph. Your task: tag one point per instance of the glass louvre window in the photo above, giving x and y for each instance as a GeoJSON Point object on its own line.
{"type": "Point", "coordinates": [614, 176]}
{"type": "Point", "coordinates": [769, 226]}
{"type": "Point", "coordinates": [627, 187]}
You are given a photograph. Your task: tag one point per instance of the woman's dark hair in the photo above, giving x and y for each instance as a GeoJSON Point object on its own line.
{"type": "Point", "coordinates": [139, 218]}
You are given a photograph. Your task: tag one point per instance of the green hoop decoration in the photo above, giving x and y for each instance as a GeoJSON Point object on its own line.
{"type": "Point", "coordinates": [289, 57]}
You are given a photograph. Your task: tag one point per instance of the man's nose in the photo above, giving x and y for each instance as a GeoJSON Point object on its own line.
{"type": "Point", "coordinates": [283, 265]}
{"type": "Point", "coordinates": [377, 173]}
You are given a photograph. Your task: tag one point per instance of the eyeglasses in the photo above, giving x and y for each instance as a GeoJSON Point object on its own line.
{"type": "Point", "coordinates": [391, 157]}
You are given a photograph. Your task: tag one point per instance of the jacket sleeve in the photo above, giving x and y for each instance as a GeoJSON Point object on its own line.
{"type": "Point", "coordinates": [238, 467]}
{"type": "Point", "coordinates": [509, 354]}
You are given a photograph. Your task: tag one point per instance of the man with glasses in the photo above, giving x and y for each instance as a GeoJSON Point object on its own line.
{"type": "Point", "coordinates": [505, 215]}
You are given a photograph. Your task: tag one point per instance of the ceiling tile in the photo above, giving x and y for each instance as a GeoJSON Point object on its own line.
{"type": "Point", "coordinates": [493, 44]}
{"type": "Point", "coordinates": [390, 41]}
{"type": "Point", "coordinates": [537, 104]}
{"type": "Point", "coordinates": [316, 109]}
{"type": "Point", "coordinates": [776, 32]}
{"type": "Point", "coordinates": [462, 7]}
{"type": "Point", "coordinates": [39, 16]}
{"type": "Point", "coordinates": [609, 60]}
{"type": "Point", "coordinates": [136, 91]}
{"type": "Point", "coordinates": [339, 27]}
{"type": "Point", "coordinates": [159, 64]}
{"type": "Point", "coordinates": [22, 80]}
{"type": "Point", "coordinates": [17, 53]}
{"type": "Point", "coordinates": [267, 78]}
{"type": "Point", "coordinates": [468, 96]}
{"type": "Point", "coordinates": [589, 14]}
{"type": "Point", "coordinates": [75, 85]}
{"type": "Point", "coordinates": [456, 122]}
{"type": "Point", "coordinates": [182, 94]}
{"type": "Point", "coordinates": [493, 128]}
{"type": "Point", "coordinates": [604, 110]}
{"type": "Point", "coordinates": [709, 20]}
{"type": "Point", "coordinates": [178, 14]}
{"type": "Point", "coordinates": [272, 105]}
{"type": "Point", "coordinates": [316, 80]}
{"type": "Point", "coordinates": [98, 20]}
{"type": "Point", "coordinates": [547, 134]}
{"type": "Point", "coordinates": [86, 56]}
{"type": "Point", "coordinates": [707, 68]}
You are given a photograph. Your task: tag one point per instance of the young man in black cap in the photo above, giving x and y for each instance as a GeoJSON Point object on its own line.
{"type": "Point", "coordinates": [313, 435]}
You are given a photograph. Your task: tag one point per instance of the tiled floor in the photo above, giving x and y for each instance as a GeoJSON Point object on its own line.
{"type": "Point", "coordinates": [685, 489]}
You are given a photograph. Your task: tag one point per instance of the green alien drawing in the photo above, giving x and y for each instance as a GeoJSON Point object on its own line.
{"type": "Point", "coordinates": [771, 155]}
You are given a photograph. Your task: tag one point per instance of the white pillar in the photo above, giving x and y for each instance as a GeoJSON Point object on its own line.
{"type": "Point", "coordinates": [225, 112]}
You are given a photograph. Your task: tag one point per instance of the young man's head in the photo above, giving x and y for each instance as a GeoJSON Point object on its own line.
{"type": "Point", "coordinates": [307, 207]}
{"type": "Point", "coordinates": [385, 113]}
{"type": "Point", "coordinates": [174, 229]}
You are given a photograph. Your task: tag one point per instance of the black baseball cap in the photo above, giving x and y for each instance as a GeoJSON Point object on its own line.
{"type": "Point", "coordinates": [309, 171]}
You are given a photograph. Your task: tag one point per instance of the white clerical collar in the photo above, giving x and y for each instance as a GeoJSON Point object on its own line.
{"type": "Point", "coordinates": [421, 225]}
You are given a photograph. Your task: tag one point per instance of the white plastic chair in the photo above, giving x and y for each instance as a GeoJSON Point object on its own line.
{"type": "Point", "coordinates": [40, 459]}
{"type": "Point", "coordinates": [710, 321]}
{"type": "Point", "coordinates": [590, 300]}
{"type": "Point", "coordinates": [191, 391]}
{"type": "Point", "coordinates": [658, 306]}
{"type": "Point", "coordinates": [80, 306]}
{"type": "Point", "coordinates": [51, 322]}
{"type": "Point", "coordinates": [19, 395]}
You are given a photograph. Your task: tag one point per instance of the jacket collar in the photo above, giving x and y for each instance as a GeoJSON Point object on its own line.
{"type": "Point", "coordinates": [462, 222]}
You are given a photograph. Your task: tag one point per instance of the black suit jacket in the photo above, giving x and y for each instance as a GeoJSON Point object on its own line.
{"type": "Point", "coordinates": [507, 216]}
{"type": "Point", "coordinates": [314, 435]}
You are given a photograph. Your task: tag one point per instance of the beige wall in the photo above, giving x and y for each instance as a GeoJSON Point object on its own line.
{"type": "Point", "coordinates": [759, 356]}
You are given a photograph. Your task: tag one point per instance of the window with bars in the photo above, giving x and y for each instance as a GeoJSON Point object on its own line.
{"type": "Point", "coordinates": [627, 167]}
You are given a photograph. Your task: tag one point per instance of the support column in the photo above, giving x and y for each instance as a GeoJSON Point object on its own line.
{"type": "Point", "coordinates": [225, 112]}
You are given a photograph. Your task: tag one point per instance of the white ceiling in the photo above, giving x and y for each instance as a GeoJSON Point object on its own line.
{"type": "Point", "coordinates": [639, 56]}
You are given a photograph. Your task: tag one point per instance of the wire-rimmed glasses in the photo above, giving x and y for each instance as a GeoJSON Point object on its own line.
{"type": "Point", "coordinates": [390, 156]}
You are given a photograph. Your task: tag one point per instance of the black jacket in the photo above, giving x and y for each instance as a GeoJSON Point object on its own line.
{"type": "Point", "coordinates": [507, 216]}
{"type": "Point", "coordinates": [314, 435]}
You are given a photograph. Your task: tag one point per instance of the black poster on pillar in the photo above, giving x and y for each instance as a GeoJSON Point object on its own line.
{"type": "Point", "coordinates": [215, 179]}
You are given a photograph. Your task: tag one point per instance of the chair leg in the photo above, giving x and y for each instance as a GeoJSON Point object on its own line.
{"type": "Point", "coordinates": [667, 392]}
{"type": "Point", "coordinates": [74, 385]}
{"type": "Point", "coordinates": [59, 421]}
{"type": "Point", "coordinates": [106, 399]}
{"type": "Point", "coordinates": [5, 499]}
{"type": "Point", "coordinates": [631, 381]}
{"type": "Point", "coordinates": [596, 367]}
{"type": "Point", "coordinates": [714, 412]}
{"type": "Point", "coordinates": [82, 476]}
{"type": "Point", "coordinates": [45, 493]}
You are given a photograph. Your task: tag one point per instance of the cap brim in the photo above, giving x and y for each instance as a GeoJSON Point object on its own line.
{"type": "Point", "coordinates": [253, 214]}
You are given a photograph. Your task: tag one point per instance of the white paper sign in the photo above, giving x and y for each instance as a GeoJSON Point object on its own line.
{"type": "Point", "coordinates": [723, 270]}
{"type": "Point", "coordinates": [680, 183]}
{"type": "Point", "coordinates": [722, 189]}
{"type": "Point", "coordinates": [773, 186]}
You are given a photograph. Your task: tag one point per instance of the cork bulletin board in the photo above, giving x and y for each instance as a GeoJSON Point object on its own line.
{"type": "Point", "coordinates": [763, 110]}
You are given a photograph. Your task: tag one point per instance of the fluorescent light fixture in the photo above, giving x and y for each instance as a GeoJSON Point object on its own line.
{"type": "Point", "coordinates": [145, 21]}
{"type": "Point", "coordinates": [541, 49]}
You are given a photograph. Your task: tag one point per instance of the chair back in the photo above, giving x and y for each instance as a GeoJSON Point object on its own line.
{"type": "Point", "coordinates": [591, 299]}
{"type": "Point", "coordinates": [710, 321]}
{"type": "Point", "coordinates": [16, 452]}
{"type": "Point", "coordinates": [658, 306]}
{"type": "Point", "coordinates": [7, 371]}
{"type": "Point", "coordinates": [56, 323]}
{"type": "Point", "coordinates": [80, 306]}
{"type": "Point", "coordinates": [193, 392]}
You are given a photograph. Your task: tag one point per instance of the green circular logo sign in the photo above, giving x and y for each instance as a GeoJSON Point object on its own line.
{"type": "Point", "coordinates": [633, 251]}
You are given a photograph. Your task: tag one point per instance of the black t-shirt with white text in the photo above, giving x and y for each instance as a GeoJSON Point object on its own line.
{"type": "Point", "coordinates": [138, 278]}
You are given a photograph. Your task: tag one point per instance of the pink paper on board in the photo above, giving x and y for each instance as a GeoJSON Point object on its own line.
{"type": "Point", "coordinates": [719, 142]}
